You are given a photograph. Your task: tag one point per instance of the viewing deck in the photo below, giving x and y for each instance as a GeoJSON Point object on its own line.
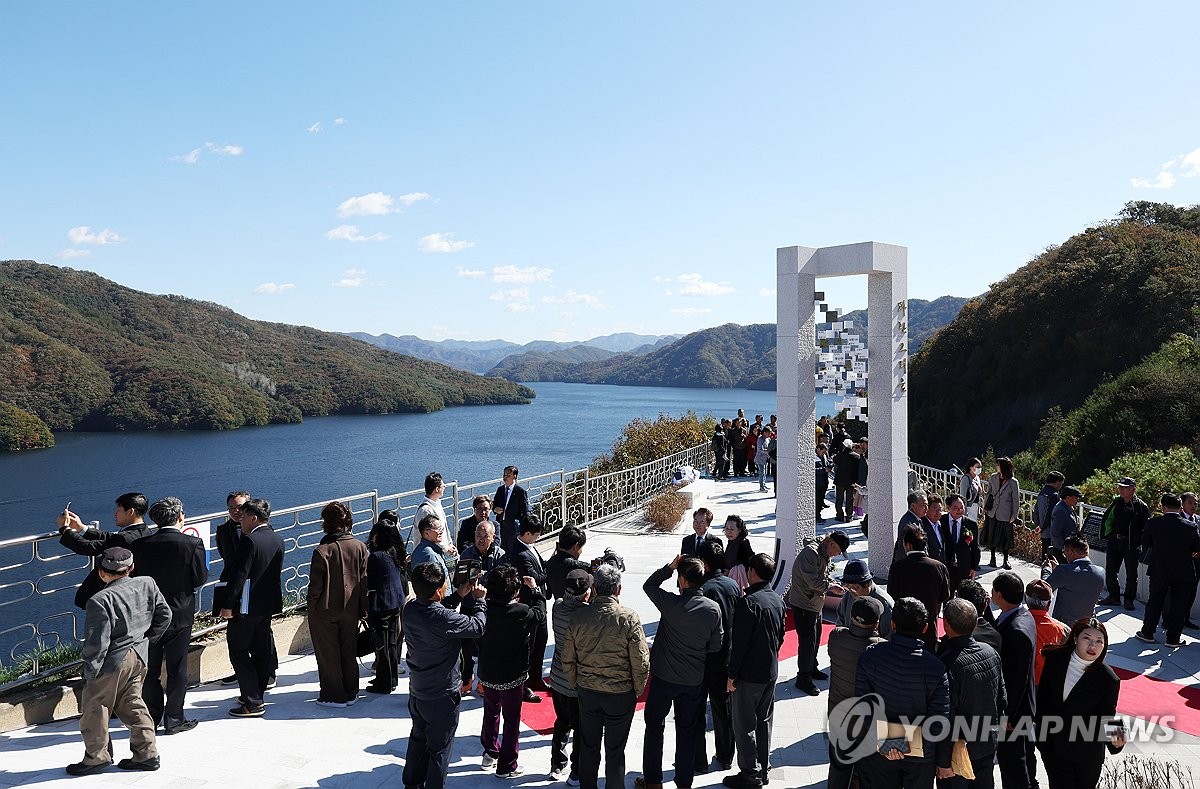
{"type": "Point", "coordinates": [298, 744]}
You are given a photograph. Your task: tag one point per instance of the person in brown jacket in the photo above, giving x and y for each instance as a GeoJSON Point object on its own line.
{"type": "Point", "coordinates": [337, 600]}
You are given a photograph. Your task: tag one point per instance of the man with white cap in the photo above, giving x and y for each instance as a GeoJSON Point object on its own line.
{"type": "Point", "coordinates": [121, 619]}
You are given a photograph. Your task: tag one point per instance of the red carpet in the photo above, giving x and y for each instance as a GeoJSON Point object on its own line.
{"type": "Point", "coordinates": [1141, 696]}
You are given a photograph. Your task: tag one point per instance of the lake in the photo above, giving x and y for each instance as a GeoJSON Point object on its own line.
{"type": "Point", "coordinates": [325, 458]}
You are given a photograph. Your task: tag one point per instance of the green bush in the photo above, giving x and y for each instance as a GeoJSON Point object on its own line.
{"type": "Point", "coordinates": [1176, 469]}
{"type": "Point", "coordinates": [642, 441]}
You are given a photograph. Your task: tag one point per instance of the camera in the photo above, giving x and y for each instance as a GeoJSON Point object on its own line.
{"type": "Point", "coordinates": [609, 557]}
{"type": "Point", "coordinates": [466, 571]}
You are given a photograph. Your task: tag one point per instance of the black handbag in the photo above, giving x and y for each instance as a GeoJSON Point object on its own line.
{"type": "Point", "coordinates": [366, 641]}
{"type": "Point", "coordinates": [989, 502]}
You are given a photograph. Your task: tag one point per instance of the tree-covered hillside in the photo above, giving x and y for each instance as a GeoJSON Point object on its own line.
{"type": "Point", "coordinates": [1051, 332]}
{"type": "Point", "coordinates": [78, 351]}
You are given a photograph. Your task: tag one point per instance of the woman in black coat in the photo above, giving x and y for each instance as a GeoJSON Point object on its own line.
{"type": "Point", "coordinates": [387, 589]}
{"type": "Point", "coordinates": [1079, 688]}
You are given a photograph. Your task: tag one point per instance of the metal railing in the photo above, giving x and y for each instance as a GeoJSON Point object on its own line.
{"type": "Point", "coordinates": [36, 568]}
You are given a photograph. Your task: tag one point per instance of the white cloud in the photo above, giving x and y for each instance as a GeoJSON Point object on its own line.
{"type": "Point", "coordinates": [571, 297]}
{"type": "Point", "coordinates": [339, 121]}
{"type": "Point", "coordinates": [442, 242]}
{"type": "Point", "coordinates": [518, 307]}
{"type": "Point", "coordinates": [351, 278]}
{"type": "Point", "coordinates": [67, 254]}
{"type": "Point", "coordinates": [193, 156]}
{"type": "Point", "coordinates": [767, 293]}
{"type": "Point", "coordinates": [1184, 166]}
{"type": "Point", "coordinates": [512, 294]}
{"type": "Point", "coordinates": [84, 235]}
{"type": "Point", "coordinates": [696, 285]}
{"type": "Point", "coordinates": [316, 127]}
{"type": "Point", "coordinates": [352, 233]}
{"type": "Point", "coordinates": [378, 204]}
{"type": "Point", "coordinates": [270, 288]}
{"type": "Point", "coordinates": [691, 312]}
{"type": "Point", "coordinates": [467, 273]}
{"type": "Point", "coordinates": [522, 276]}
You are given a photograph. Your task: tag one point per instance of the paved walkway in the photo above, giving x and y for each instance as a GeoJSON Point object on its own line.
{"type": "Point", "coordinates": [299, 744]}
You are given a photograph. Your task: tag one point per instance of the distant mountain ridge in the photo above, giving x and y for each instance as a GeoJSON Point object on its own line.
{"type": "Point", "coordinates": [480, 356]}
{"type": "Point", "coordinates": [723, 357]}
{"type": "Point", "coordinates": [78, 351]}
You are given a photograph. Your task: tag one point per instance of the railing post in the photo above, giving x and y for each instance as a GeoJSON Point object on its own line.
{"type": "Point", "coordinates": [454, 504]}
{"type": "Point", "coordinates": [587, 501]}
{"type": "Point", "coordinates": [562, 490]}
{"type": "Point", "coordinates": [374, 506]}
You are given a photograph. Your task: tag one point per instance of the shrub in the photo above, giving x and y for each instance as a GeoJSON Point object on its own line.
{"type": "Point", "coordinates": [642, 441]}
{"type": "Point", "coordinates": [20, 429]}
{"type": "Point", "coordinates": [1176, 469]}
{"type": "Point", "coordinates": [1145, 772]}
{"type": "Point", "coordinates": [665, 510]}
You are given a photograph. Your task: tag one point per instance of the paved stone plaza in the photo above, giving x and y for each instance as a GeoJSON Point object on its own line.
{"type": "Point", "coordinates": [299, 744]}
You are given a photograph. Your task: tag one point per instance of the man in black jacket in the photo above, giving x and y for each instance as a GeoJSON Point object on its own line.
{"type": "Point", "coordinates": [228, 538]}
{"type": "Point", "coordinates": [1018, 639]}
{"type": "Point", "coordinates": [569, 548]}
{"type": "Point", "coordinates": [846, 644]}
{"type": "Point", "coordinates": [178, 564]}
{"type": "Point", "coordinates": [961, 536]}
{"type": "Point", "coordinates": [90, 541]}
{"type": "Point", "coordinates": [919, 576]}
{"type": "Point", "coordinates": [912, 683]}
{"type": "Point", "coordinates": [525, 557]}
{"type": "Point", "coordinates": [845, 477]}
{"type": "Point", "coordinates": [1123, 526]}
{"type": "Point", "coordinates": [1173, 542]}
{"type": "Point", "coordinates": [918, 507]}
{"type": "Point", "coordinates": [701, 523]}
{"type": "Point", "coordinates": [723, 591]}
{"type": "Point", "coordinates": [976, 690]}
{"type": "Point", "coordinates": [249, 601]}
{"type": "Point", "coordinates": [985, 631]}
{"type": "Point", "coordinates": [753, 670]}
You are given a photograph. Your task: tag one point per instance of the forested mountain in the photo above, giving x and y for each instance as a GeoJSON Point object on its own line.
{"type": "Point", "coordinates": [1046, 336]}
{"type": "Point", "coordinates": [724, 357]}
{"type": "Point", "coordinates": [924, 318]}
{"type": "Point", "coordinates": [78, 351]}
{"type": "Point", "coordinates": [479, 356]}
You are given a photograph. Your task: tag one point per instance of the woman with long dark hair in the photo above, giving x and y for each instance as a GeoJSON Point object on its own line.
{"type": "Point", "coordinates": [737, 550]}
{"type": "Point", "coordinates": [387, 588]}
{"type": "Point", "coordinates": [1000, 510]}
{"type": "Point", "coordinates": [1079, 690]}
{"type": "Point", "coordinates": [337, 600]}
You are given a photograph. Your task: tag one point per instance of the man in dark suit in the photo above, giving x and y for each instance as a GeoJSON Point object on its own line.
{"type": "Point", "coordinates": [528, 561]}
{"type": "Point", "coordinates": [926, 579]}
{"type": "Point", "coordinates": [918, 506]}
{"type": "Point", "coordinates": [258, 564]}
{"type": "Point", "coordinates": [1173, 542]}
{"type": "Point", "coordinates": [565, 559]}
{"type": "Point", "coordinates": [228, 537]}
{"type": "Point", "coordinates": [961, 537]}
{"type": "Point", "coordinates": [931, 522]}
{"type": "Point", "coordinates": [90, 541]}
{"type": "Point", "coordinates": [1018, 637]}
{"type": "Point", "coordinates": [511, 505]}
{"type": "Point", "coordinates": [178, 564]}
{"type": "Point", "coordinates": [976, 688]}
{"type": "Point", "coordinates": [701, 521]}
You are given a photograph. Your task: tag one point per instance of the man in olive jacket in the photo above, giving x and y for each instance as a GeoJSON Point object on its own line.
{"type": "Point", "coordinates": [806, 597]}
{"type": "Point", "coordinates": [606, 659]}
{"type": "Point", "coordinates": [753, 670]}
{"type": "Point", "coordinates": [845, 645]}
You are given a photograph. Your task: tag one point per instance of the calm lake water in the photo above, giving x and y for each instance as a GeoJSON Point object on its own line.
{"type": "Point", "coordinates": [565, 427]}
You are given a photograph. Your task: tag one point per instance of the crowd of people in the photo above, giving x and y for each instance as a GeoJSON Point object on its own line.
{"type": "Point", "coordinates": [472, 613]}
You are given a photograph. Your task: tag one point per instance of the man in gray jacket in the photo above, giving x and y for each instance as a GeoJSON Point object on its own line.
{"type": "Point", "coordinates": [689, 630]}
{"type": "Point", "coordinates": [806, 597]}
{"type": "Point", "coordinates": [121, 619]}
{"type": "Point", "coordinates": [1077, 583]}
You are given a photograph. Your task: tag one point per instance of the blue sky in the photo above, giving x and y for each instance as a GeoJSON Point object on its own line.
{"type": "Point", "coordinates": [564, 170]}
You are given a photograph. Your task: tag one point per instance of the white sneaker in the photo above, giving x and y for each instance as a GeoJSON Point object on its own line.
{"type": "Point", "coordinates": [516, 773]}
{"type": "Point", "coordinates": [559, 774]}
{"type": "Point", "coordinates": [488, 761]}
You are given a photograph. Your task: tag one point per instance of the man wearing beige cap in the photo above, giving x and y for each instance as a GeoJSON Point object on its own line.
{"type": "Point", "coordinates": [121, 619]}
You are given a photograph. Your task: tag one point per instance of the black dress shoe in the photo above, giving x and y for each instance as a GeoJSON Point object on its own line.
{"type": "Point", "coordinates": [1129, 605]}
{"type": "Point", "coordinates": [179, 728]}
{"type": "Point", "coordinates": [82, 768]}
{"type": "Point", "coordinates": [1111, 600]}
{"type": "Point", "coordinates": [538, 684]}
{"type": "Point", "coordinates": [808, 687]}
{"type": "Point", "coordinates": [818, 675]}
{"type": "Point", "coordinates": [149, 765]}
{"type": "Point", "coordinates": [531, 697]}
